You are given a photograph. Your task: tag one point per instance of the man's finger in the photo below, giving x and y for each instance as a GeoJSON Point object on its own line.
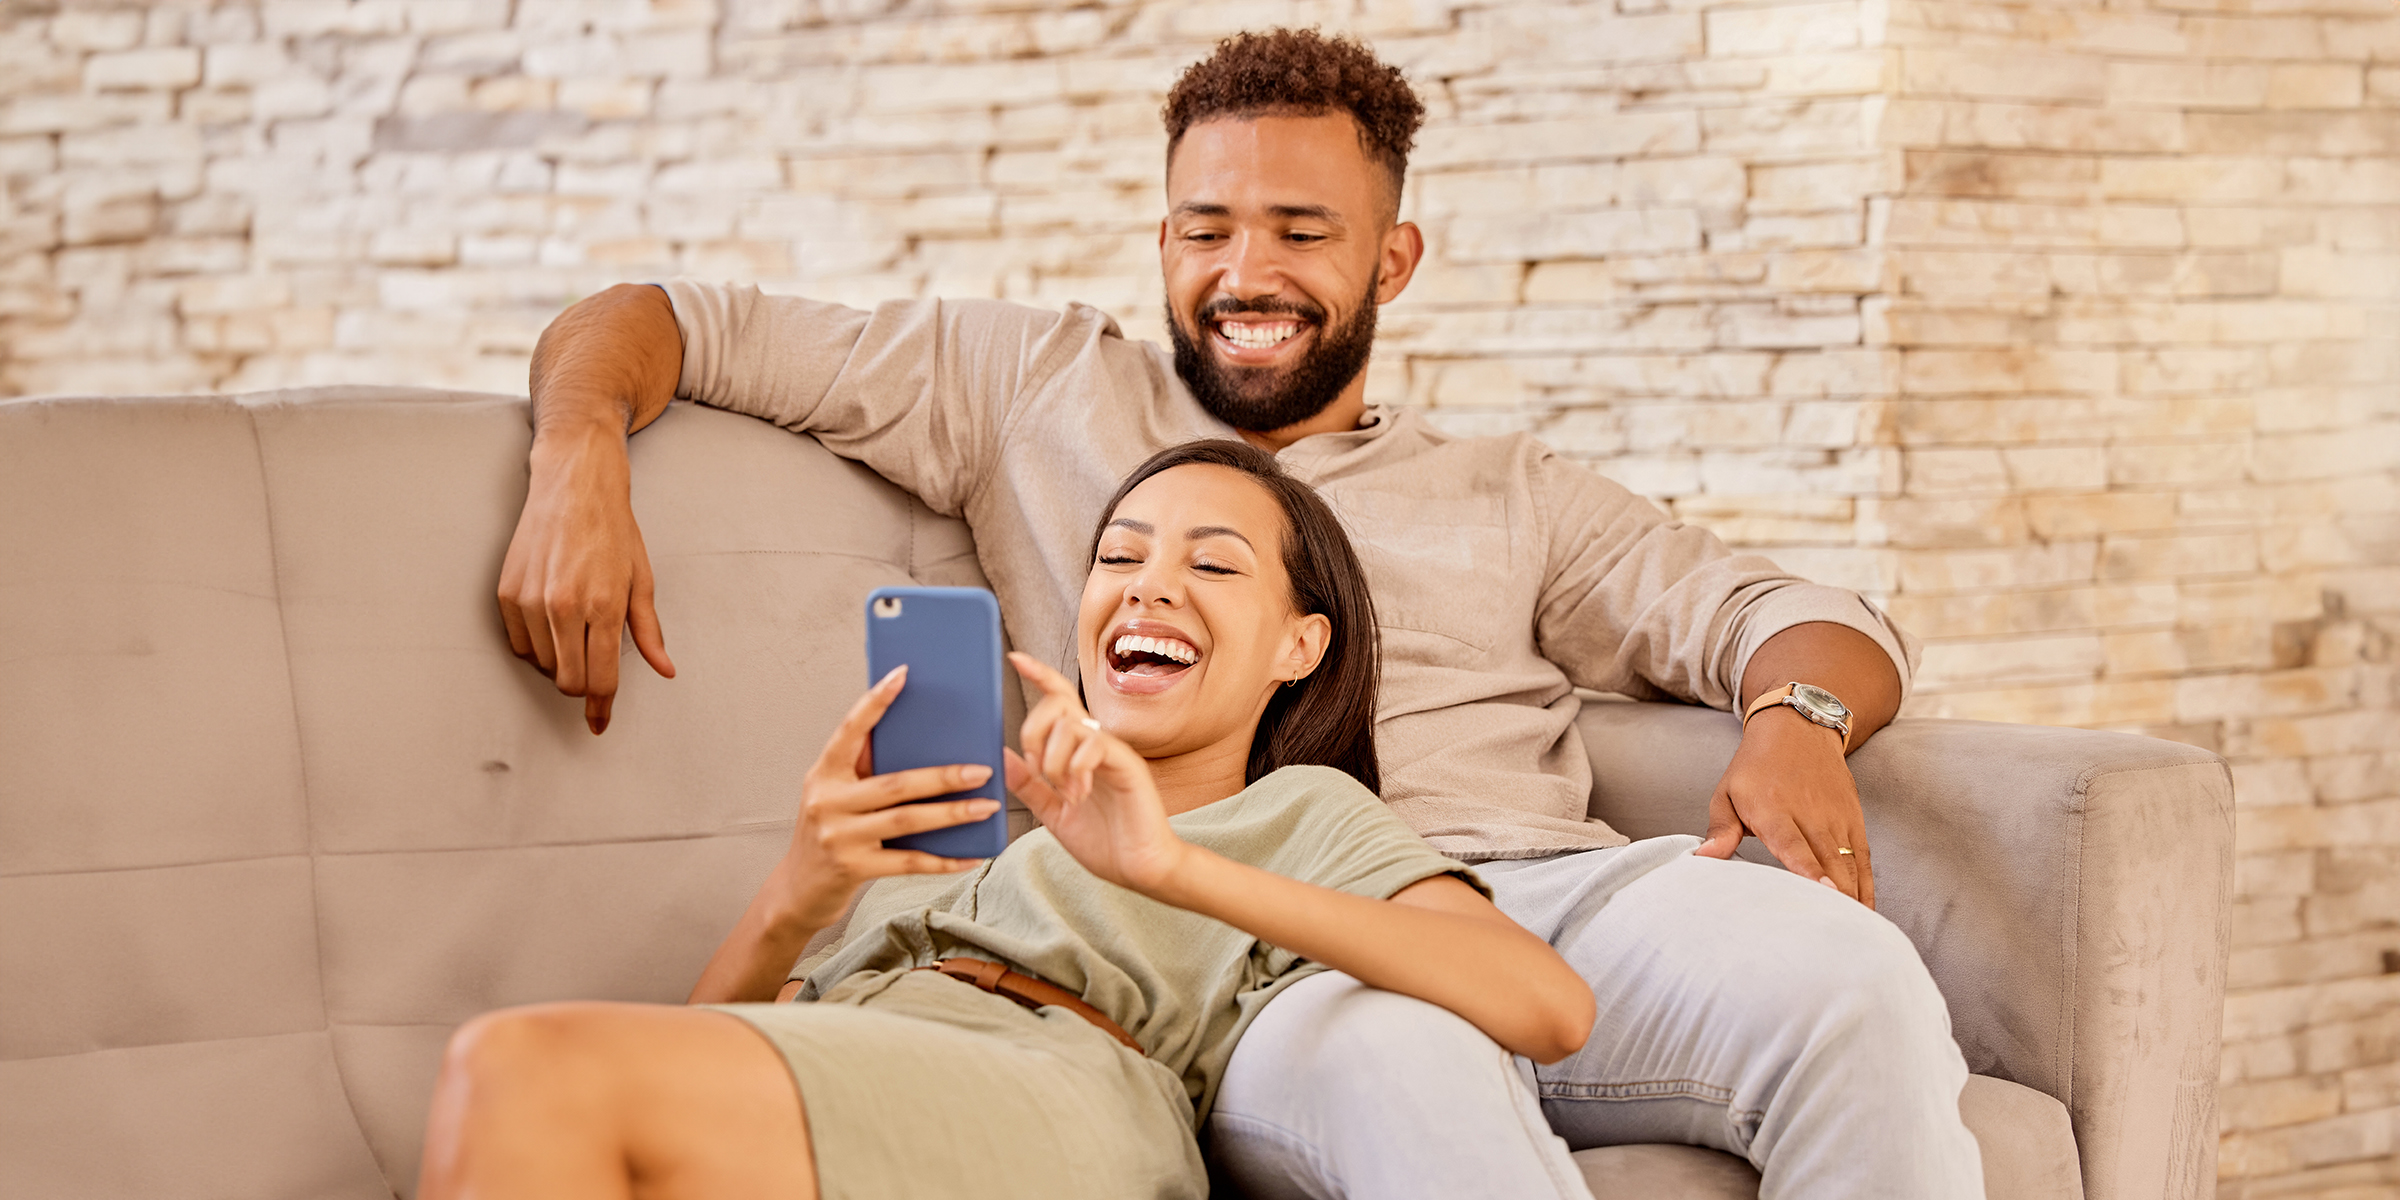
{"type": "Point", "coordinates": [537, 630]}
{"type": "Point", "coordinates": [1725, 828]}
{"type": "Point", "coordinates": [567, 632]}
{"type": "Point", "coordinates": [1785, 841]}
{"type": "Point", "coordinates": [1866, 870]}
{"type": "Point", "coordinates": [648, 638]}
{"type": "Point", "coordinates": [1827, 845]}
{"type": "Point", "coordinates": [520, 642]}
{"type": "Point", "coordinates": [600, 671]}
{"type": "Point", "coordinates": [641, 612]}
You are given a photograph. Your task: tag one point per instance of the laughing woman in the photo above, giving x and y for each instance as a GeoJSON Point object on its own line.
{"type": "Point", "coordinates": [1211, 834]}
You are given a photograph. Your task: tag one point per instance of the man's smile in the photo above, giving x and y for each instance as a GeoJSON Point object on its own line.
{"type": "Point", "coordinates": [1256, 341]}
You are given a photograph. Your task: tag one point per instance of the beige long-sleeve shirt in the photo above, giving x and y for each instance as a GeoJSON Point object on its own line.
{"type": "Point", "coordinates": [1504, 577]}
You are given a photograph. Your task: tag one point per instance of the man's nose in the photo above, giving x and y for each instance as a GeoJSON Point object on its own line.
{"type": "Point", "coordinates": [1253, 269]}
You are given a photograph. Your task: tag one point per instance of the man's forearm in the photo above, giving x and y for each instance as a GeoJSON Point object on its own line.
{"type": "Point", "coordinates": [1834, 657]}
{"type": "Point", "coordinates": [610, 361]}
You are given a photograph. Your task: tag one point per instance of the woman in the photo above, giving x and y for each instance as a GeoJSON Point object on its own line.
{"type": "Point", "coordinates": [1211, 834]}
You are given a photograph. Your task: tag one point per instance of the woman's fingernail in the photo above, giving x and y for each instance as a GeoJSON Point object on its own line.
{"type": "Point", "coordinates": [1827, 880]}
{"type": "Point", "coordinates": [983, 808]}
{"type": "Point", "coordinates": [974, 775]}
{"type": "Point", "coordinates": [894, 673]}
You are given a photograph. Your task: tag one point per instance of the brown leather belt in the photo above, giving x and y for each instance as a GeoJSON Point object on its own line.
{"type": "Point", "coordinates": [1030, 992]}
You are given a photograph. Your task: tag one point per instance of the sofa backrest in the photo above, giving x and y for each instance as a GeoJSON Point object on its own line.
{"type": "Point", "coordinates": [277, 809]}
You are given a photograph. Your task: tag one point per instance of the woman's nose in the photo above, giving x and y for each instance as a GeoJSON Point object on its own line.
{"type": "Point", "coordinates": [1150, 588]}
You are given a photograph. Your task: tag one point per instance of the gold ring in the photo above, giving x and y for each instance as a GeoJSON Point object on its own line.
{"type": "Point", "coordinates": [1842, 850]}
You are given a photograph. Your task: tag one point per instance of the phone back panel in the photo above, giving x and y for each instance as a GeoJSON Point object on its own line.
{"type": "Point", "coordinates": [949, 712]}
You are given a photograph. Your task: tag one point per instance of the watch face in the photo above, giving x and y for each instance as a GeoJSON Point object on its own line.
{"type": "Point", "coordinates": [1821, 700]}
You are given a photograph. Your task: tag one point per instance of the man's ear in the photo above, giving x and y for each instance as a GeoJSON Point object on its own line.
{"type": "Point", "coordinates": [1310, 635]}
{"type": "Point", "coordinates": [1403, 249]}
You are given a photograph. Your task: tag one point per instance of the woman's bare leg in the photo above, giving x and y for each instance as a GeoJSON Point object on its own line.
{"type": "Point", "coordinates": [607, 1101]}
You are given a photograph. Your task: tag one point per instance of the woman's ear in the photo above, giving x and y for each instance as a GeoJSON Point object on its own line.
{"type": "Point", "coordinates": [1310, 635]}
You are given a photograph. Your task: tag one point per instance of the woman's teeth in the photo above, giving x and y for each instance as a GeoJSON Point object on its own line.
{"type": "Point", "coordinates": [1167, 648]}
{"type": "Point", "coordinates": [1258, 336]}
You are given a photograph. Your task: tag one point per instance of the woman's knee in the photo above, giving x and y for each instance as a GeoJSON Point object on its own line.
{"type": "Point", "coordinates": [537, 1046]}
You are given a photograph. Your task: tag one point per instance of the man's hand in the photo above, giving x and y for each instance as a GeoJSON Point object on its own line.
{"type": "Point", "coordinates": [1790, 785]}
{"type": "Point", "coordinates": [577, 572]}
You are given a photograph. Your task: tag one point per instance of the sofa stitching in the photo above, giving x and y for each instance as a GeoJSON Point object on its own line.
{"type": "Point", "coordinates": [308, 813]}
{"type": "Point", "coordinates": [744, 829]}
{"type": "Point", "coordinates": [2062, 1053]}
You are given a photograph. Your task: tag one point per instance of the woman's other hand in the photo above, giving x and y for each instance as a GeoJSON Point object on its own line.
{"type": "Point", "coordinates": [1091, 790]}
{"type": "Point", "coordinates": [847, 812]}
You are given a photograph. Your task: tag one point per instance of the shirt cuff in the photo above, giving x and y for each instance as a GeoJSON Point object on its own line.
{"type": "Point", "coordinates": [1802, 603]}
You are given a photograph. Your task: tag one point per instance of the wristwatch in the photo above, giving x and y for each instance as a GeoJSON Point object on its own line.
{"type": "Point", "coordinates": [1808, 700]}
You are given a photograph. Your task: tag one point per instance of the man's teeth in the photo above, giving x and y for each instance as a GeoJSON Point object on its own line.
{"type": "Point", "coordinates": [1181, 652]}
{"type": "Point", "coordinates": [1257, 336]}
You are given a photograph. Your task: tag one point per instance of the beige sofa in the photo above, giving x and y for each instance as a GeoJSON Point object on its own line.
{"type": "Point", "coordinates": [277, 811]}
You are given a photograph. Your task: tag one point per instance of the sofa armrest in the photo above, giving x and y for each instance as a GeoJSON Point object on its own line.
{"type": "Point", "coordinates": [2069, 890]}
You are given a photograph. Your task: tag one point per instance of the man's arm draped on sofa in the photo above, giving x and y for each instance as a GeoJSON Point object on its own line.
{"type": "Point", "coordinates": [577, 574]}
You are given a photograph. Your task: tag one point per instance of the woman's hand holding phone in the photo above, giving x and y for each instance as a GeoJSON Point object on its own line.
{"type": "Point", "coordinates": [1091, 790]}
{"type": "Point", "coordinates": [846, 812]}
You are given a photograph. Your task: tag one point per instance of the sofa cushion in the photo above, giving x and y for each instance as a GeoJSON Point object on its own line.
{"type": "Point", "coordinates": [2028, 1154]}
{"type": "Point", "coordinates": [277, 809]}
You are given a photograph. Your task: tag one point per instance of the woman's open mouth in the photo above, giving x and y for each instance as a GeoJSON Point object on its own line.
{"type": "Point", "coordinates": [1148, 662]}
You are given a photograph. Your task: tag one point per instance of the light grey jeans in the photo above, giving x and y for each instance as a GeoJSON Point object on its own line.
{"type": "Point", "coordinates": [1740, 1007]}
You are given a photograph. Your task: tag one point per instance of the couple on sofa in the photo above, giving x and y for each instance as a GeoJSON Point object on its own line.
{"type": "Point", "coordinates": [1195, 863]}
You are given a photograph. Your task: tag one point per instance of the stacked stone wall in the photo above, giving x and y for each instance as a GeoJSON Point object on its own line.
{"type": "Point", "coordinates": [2067, 329]}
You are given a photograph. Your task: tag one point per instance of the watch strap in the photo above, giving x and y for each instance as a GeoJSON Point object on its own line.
{"type": "Point", "coordinates": [1783, 696]}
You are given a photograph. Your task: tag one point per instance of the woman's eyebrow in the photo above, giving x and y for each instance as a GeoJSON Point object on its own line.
{"type": "Point", "coordinates": [1198, 532]}
{"type": "Point", "coordinates": [1143, 528]}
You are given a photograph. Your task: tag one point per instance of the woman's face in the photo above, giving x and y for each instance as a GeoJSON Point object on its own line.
{"type": "Point", "coordinates": [1187, 627]}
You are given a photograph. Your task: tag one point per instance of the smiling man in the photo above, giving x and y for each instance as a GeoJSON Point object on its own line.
{"type": "Point", "coordinates": [1769, 1014]}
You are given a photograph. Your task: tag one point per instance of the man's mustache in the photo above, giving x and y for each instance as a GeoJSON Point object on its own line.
{"type": "Point", "coordinates": [1264, 306]}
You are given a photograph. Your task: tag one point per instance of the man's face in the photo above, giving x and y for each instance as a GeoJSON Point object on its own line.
{"type": "Point", "coordinates": [1274, 249]}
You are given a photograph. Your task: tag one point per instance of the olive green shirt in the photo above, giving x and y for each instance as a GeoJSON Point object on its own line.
{"type": "Point", "coordinates": [1184, 985]}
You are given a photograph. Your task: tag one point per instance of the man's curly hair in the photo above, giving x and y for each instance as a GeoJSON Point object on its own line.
{"type": "Point", "coordinates": [1301, 72]}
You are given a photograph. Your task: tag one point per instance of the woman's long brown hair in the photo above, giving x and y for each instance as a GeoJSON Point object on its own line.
{"type": "Point", "coordinates": [1328, 717]}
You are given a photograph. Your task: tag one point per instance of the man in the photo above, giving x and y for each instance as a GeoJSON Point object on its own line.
{"type": "Point", "coordinates": [1741, 1008]}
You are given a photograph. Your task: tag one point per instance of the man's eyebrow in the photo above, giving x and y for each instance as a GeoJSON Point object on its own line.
{"type": "Point", "coordinates": [1198, 532]}
{"type": "Point", "coordinates": [1289, 212]}
{"type": "Point", "coordinates": [1307, 212]}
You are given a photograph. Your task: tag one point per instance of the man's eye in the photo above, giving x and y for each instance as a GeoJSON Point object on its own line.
{"type": "Point", "coordinates": [1304, 237]}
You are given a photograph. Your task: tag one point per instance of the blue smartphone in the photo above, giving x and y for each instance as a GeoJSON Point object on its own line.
{"type": "Point", "coordinates": [949, 712]}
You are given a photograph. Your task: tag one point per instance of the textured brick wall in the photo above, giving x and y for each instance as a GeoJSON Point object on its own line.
{"type": "Point", "coordinates": [2068, 328]}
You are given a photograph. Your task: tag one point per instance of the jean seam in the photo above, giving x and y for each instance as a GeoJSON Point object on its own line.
{"type": "Point", "coordinates": [1653, 1089]}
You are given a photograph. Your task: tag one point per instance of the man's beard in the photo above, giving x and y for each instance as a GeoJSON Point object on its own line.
{"type": "Point", "coordinates": [1261, 399]}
